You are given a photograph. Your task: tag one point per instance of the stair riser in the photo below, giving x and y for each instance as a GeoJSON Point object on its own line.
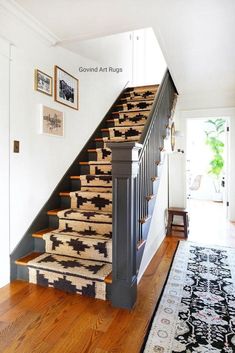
{"type": "Point", "coordinates": [39, 244]}
{"type": "Point", "coordinates": [156, 186]}
{"type": "Point", "coordinates": [68, 283]}
{"type": "Point", "coordinates": [100, 170]}
{"type": "Point", "coordinates": [93, 156]}
{"type": "Point", "coordinates": [99, 144]}
{"type": "Point", "coordinates": [103, 203]}
{"type": "Point", "coordinates": [86, 216]}
{"type": "Point", "coordinates": [23, 273]}
{"type": "Point", "coordinates": [145, 229]}
{"type": "Point", "coordinates": [151, 204]}
{"type": "Point", "coordinates": [103, 144]}
{"type": "Point", "coordinates": [79, 247]}
{"type": "Point", "coordinates": [76, 185]}
{"type": "Point", "coordinates": [126, 132]}
{"type": "Point", "coordinates": [140, 255]}
{"type": "Point", "coordinates": [53, 221]}
{"type": "Point", "coordinates": [86, 228]}
{"type": "Point", "coordinates": [65, 201]}
{"type": "Point", "coordinates": [129, 98]}
{"type": "Point", "coordinates": [129, 107]}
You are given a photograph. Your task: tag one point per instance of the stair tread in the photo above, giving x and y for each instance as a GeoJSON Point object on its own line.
{"type": "Point", "coordinates": [142, 88]}
{"type": "Point", "coordinates": [64, 193]}
{"type": "Point", "coordinates": [54, 211]}
{"type": "Point", "coordinates": [150, 197]}
{"type": "Point", "coordinates": [98, 149]}
{"type": "Point", "coordinates": [108, 279]}
{"type": "Point", "coordinates": [40, 233]}
{"type": "Point", "coordinates": [123, 128]}
{"type": "Point", "coordinates": [130, 114]}
{"type": "Point", "coordinates": [23, 261]}
{"type": "Point", "coordinates": [101, 176]}
{"type": "Point", "coordinates": [145, 219]}
{"type": "Point", "coordinates": [129, 99]}
{"type": "Point", "coordinates": [143, 100]}
{"type": "Point", "coordinates": [95, 162]}
{"type": "Point", "coordinates": [80, 233]}
{"type": "Point", "coordinates": [118, 126]}
{"type": "Point", "coordinates": [86, 216]}
{"type": "Point", "coordinates": [73, 266]}
{"type": "Point", "coordinates": [133, 111]}
{"type": "Point", "coordinates": [118, 139]}
{"type": "Point", "coordinates": [88, 193]}
{"type": "Point", "coordinates": [140, 244]}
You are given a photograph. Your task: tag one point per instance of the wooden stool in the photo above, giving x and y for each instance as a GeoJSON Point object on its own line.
{"type": "Point", "coordinates": [176, 211]}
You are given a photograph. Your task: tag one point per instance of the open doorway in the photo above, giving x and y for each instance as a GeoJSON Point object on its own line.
{"type": "Point", "coordinates": [206, 172]}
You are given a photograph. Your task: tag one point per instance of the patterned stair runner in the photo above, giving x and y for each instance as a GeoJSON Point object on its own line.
{"type": "Point", "coordinates": [78, 255]}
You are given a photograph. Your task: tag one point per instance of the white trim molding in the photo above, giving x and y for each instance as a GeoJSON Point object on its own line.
{"type": "Point", "coordinates": [13, 8]}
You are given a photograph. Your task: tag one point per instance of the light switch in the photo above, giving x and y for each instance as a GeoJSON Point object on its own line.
{"type": "Point", "coordinates": [16, 146]}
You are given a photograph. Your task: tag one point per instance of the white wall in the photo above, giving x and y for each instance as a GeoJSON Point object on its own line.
{"type": "Point", "coordinates": [141, 47]}
{"type": "Point", "coordinates": [148, 62]}
{"type": "Point", "coordinates": [177, 162]}
{"type": "Point", "coordinates": [157, 229]}
{"type": "Point", "coordinates": [4, 161]}
{"type": "Point", "coordinates": [43, 160]}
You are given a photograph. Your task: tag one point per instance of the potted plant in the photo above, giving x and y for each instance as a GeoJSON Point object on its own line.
{"type": "Point", "coordinates": [214, 132]}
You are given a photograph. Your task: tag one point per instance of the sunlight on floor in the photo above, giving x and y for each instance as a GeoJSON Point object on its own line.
{"type": "Point", "coordinates": [208, 223]}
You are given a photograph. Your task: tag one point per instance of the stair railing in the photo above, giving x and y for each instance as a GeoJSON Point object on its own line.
{"type": "Point", "coordinates": [134, 169]}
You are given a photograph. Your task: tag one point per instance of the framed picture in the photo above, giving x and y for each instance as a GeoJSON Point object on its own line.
{"type": "Point", "coordinates": [43, 82]}
{"type": "Point", "coordinates": [66, 88]}
{"type": "Point", "coordinates": [52, 121]}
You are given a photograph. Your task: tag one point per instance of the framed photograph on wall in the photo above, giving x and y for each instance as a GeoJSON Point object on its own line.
{"type": "Point", "coordinates": [52, 121]}
{"type": "Point", "coordinates": [43, 82]}
{"type": "Point", "coordinates": [66, 88]}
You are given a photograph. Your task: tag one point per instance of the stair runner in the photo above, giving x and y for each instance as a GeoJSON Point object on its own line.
{"type": "Point", "coordinates": [78, 255]}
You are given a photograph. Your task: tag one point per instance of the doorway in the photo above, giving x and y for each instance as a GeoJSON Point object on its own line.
{"type": "Point", "coordinates": [206, 174]}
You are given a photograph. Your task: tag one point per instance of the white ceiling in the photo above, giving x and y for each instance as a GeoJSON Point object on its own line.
{"type": "Point", "coordinates": [196, 36]}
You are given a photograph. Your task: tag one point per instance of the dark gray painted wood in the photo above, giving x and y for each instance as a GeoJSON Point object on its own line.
{"type": "Point", "coordinates": [125, 165]}
{"type": "Point", "coordinates": [133, 167]}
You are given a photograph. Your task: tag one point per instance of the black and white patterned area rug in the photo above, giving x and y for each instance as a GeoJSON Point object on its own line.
{"type": "Point", "coordinates": [196, 312]}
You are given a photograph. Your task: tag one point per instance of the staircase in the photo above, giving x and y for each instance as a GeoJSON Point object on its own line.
{"type": "Point", "coordinates": [78, 254]}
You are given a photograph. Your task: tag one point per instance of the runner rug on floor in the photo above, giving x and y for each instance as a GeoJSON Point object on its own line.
{"type": "Point", "coordinates": [196, 312]}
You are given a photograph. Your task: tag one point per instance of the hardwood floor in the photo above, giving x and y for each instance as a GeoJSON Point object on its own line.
{"type": "Point", "coordinates": [40, 320]}
{"type": "Point", "coordinates": [35, 319]}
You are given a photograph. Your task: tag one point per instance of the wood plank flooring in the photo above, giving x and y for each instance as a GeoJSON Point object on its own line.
{"type": "Point", "coordinates": [36, 319]}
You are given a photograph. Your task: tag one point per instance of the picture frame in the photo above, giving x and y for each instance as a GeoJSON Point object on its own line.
{"type": "Point", "coordinates": [65, 88]}
{"type": "Point", "coordinates": [52, 121]}
{"type": "Point", "coordinates": [42, 82]}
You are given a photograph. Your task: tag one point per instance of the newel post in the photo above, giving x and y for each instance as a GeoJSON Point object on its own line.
{"type": "Point", "coordinates": [125, 166]}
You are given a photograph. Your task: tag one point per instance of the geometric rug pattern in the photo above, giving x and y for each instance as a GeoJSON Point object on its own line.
{"type": "Point", "coordinates": [197, 310]}
{"type": "Point", "coordinates": [78, 255]}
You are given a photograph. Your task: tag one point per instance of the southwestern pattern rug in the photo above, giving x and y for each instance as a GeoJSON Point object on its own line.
{"type": "Point", "coordinates": [196, 312]}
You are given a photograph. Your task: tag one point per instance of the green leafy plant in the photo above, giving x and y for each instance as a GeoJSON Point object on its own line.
{"type": "Point", "coordinates": [215, 129]}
